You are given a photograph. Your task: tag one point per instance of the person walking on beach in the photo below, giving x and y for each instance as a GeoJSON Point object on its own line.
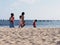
{"type": "Point", "coordinates": [20, 22]}
{"type": "Point", "coordinates": [23, 21]}
{"type": "Point", "coordinates": [12, 20]}
{"type": "Point", "coordinates": [34, 23]}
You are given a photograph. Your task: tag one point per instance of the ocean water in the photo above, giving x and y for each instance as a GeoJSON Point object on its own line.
{"type": "Point", "coordinates": [40, 23]}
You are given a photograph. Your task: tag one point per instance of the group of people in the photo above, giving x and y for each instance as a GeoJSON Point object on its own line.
{"type": "Point", "coordinates": [21, 22]}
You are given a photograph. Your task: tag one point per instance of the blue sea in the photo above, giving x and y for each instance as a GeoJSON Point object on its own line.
{"type": "Point", "coordinates": [40, 23]}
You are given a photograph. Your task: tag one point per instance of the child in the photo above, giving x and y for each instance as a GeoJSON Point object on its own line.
{"type": "Point", "coordinates": [34, 23]}
{"type": "Point", "coordinates": [12, 20]}
{"type": "Point", "coordinates": [20, 23]}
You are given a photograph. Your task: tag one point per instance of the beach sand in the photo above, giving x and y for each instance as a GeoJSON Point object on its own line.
{"type": "Point", "coordinates": [29, 36]}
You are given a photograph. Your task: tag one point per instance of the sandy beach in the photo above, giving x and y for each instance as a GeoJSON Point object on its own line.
{"type": "Point", "coordinates": [29, 36]}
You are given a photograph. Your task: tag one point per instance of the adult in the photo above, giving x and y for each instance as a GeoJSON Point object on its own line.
{"type": "Point", "coordinates": [23, 21]}
{"type": "Point", "coordinates": [12, 20]}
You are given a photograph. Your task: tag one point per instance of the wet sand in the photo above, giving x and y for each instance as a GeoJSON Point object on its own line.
{"type": "Point", "coordinates": [29, 36]}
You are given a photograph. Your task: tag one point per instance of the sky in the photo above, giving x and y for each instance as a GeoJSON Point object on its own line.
{"type": "Point", "coordinates": [34, 9]}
